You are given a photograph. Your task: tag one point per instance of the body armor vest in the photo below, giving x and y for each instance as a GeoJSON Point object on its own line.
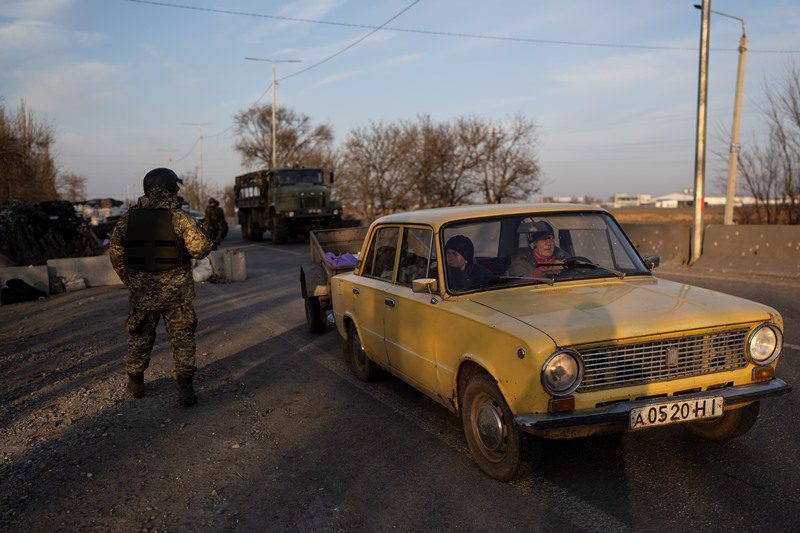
{"type": "Point", "coordinates": [151, 244]}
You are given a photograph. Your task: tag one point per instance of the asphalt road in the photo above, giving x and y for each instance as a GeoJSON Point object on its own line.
{"type": "Point", "coordinates": [285, 439]}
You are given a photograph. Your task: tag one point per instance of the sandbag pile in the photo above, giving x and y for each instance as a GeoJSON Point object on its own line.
{"type": "Point", "coordinates": [30, 234]}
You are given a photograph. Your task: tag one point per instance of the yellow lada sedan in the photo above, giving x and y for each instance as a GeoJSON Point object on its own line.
{"type": "Point", "coordinates": [534, 321]}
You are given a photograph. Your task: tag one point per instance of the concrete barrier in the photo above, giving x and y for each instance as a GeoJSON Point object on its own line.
{"type": "Point", "coordinates": [669, 241]}
{"type": "Point", "coordinates": [36, 276]}
{"type": "Point", "coordinates": [770, 250]}
{"type": "Point", "coordinates": [97, 271]}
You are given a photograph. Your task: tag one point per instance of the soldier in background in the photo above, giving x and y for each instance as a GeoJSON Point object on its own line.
{"type": "Point", "coordinates": [216, 226]}
{"type": "Point", "coordinates": [151, 250]}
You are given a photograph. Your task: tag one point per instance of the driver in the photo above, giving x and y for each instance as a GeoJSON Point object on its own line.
{"type": "Point", "coordinates": [463, 273]}
{"type": "Point", "coordinates": [541, 252]}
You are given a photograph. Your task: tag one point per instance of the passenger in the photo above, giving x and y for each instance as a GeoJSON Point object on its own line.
{"type": "Point", "coordinates": [463, 273]}
{"type": "Point", "coordinates": [542, 252]}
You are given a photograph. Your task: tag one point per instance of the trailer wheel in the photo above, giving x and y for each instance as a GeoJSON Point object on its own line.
{"type": "Point", "coordinates": [315, 316]}
{"type": "Point", "coordinates": [280, 231]}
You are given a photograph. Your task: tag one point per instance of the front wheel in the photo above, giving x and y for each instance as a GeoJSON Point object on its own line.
{"type": "Point", "coordinates": [280, 231]}
{"type": "Point", "coordinates": [732, 424]}
{"type": "Point", "coordinates": [494, 441]}
{"type": "Point", "coordinates": [361, 365]}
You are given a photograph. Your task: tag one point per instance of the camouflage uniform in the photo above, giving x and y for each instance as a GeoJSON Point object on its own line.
{"type": "Point", "coordinates": [156, 294]}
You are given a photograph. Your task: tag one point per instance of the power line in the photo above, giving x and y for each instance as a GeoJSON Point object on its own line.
{"type": "Point", "coordinates": [448, 33]}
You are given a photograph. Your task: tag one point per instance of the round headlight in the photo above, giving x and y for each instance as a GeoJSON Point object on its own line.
{"type": "Point", "coordinates": [562, 373]}
{"type": "Point", "coordinates": [764, 345]}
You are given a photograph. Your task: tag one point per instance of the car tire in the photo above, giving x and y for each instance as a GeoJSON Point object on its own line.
{"type": "Point", "coordinates": [280, 231]}
{"type": "Point", "coordinates": [360, 364]}
{"type": "Point", "coordinates": [734, 423]}
{"type": "Point", "coordinates": [495, 442]}
{"type": "Point", "coordinates": [315, 316]}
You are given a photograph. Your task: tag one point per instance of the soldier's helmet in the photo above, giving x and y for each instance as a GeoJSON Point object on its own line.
{"type": "Point", "coordinates": [164, 178]}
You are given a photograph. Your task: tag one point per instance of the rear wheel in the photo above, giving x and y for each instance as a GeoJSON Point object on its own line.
{"type": "Point", "coordinates": [496, 444]}
{"type": "Point", "coordinates": [315, 316]}
{"type": "Point", "coordinates": [361, 365]}
{"type": "Point", "coordinates": [280, 231]}
{"type": "Point", "coordinates": [732, 424]}
{"type": "Point", "coordinates": [256, 233]}
{"type": "Point", "coordinates": [245, 224]}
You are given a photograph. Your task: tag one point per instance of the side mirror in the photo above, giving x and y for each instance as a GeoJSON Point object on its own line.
{"type": "Point", "coordinates": [652, 261]}
{"type": "Point", "coordinates": [330, 177]}
{"type": "Point", "coordinates": [424, 286]}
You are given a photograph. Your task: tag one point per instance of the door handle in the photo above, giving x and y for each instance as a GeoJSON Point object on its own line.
{"type": "Point", "coordinates": [355, 290]}
{"type": "Point", "coordinates": [389, 301]}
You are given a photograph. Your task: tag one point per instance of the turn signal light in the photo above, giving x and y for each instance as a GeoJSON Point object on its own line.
{"type": "Point", "coordinates": [761, 373]}
{"type": "Point", "coordinates": [559, 405]}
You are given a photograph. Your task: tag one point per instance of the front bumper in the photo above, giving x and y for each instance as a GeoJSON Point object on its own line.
{"type": "Point", "coordinates": [615, 417]}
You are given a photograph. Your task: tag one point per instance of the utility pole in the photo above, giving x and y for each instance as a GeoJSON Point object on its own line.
{"type": "Point", "coordinates": [700, 147]}
{"type": "Point", "coordinates": [200, 140]}
{"type": "Point", "coordinates": [733, 158]}
{"type": "Point", "coordinates": [274, 101]}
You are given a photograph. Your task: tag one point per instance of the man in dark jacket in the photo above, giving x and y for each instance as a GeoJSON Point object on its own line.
{"type": "Point", "coordinates": [151, 250]}
{"type": "Point", "coordinates": [463, 273]}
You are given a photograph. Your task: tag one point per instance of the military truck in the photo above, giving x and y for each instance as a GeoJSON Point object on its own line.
{"type": "Point", "coordinates": [287, 201]}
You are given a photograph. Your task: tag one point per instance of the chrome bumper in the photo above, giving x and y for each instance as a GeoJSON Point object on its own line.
{"type": "Point", "coordinates": [619, 412]}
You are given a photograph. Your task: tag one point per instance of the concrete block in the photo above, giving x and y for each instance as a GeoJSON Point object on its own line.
{"type": "Point", "coordinates": [97, 271]}
{"type": "Point", "coordinates": [669, 241]}
{"type": "Point", "coordinates": [229, 264]}
{"type": "Point", "coordinates": [751, 249]}
{"type": "Point", "coordinates": [36, 276]}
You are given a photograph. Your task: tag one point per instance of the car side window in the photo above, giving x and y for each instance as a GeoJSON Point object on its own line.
{"type": "Point", "coordinates": [381, 254]}
{"type": "Point", "coordinates": [414, 254]}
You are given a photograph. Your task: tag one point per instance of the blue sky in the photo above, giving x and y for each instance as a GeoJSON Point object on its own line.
{"type": "Point", "coordinates": [118, 80]}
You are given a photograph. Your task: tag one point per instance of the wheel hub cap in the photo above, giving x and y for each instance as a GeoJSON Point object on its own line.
{"type": "Point", "coordinates": [490, 426]}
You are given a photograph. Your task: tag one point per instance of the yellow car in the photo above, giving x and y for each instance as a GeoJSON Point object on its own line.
{"type": "Point", "coordinates": [542, 321]}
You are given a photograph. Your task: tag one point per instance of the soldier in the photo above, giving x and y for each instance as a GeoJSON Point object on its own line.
{"type": "Point", "coordinates": [151, 249]}
{"type": "Point", "coordinates": [215, 219]}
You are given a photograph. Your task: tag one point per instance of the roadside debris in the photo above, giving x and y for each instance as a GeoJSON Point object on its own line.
{"type": "Point", "coordinates": [30, 234]}
{"type": "Point", "coordinates": [17, 291]}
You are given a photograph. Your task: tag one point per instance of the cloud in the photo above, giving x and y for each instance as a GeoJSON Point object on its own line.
{"type": "Point", "coordinates": [35, 9]}
{"type": "Point", "coordinates": [624, 71]}
{"type": "Point", "coordinates": [338, 77]}
{"type": "Point", "coordinates": [76, 87]}
{"type": "Point", "coordinates": [32, 35]}
{"type": "Point", "coordinates": [402, 60]}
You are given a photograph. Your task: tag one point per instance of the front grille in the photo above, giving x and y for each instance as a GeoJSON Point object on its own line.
{"type": "Point", "coordinates": [312, 202]}
{"type": "Point", "coordinates": [623, 365]}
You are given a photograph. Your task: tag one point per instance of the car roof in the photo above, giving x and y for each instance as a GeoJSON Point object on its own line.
{"type": "Point", "coordinates": [442, 215]}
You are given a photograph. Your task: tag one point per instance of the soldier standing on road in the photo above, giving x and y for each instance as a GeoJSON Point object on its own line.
{"type": "Point", "coordinates": [215, 220]}
{"type": "Point", "coordinates": [150, 250]}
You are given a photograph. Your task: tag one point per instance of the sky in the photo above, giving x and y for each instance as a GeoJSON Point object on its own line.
{"type": "Point", "coordinates": [120, 81]}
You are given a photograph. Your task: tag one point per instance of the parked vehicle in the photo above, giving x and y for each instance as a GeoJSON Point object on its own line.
{"type": "Point", "coordinates": [286, 201]}
{"type": "Point", "coordinates": [589, 342]}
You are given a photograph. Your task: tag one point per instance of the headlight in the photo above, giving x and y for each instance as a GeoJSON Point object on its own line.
{"type": "Point", "coordinates": [764, 345]}
{"type": "Point", "coordinates": [291, 213]}
{"type": "Point", "coordinates": [562, 373]}
{"type": "Point", "coordinates": [335, 211]}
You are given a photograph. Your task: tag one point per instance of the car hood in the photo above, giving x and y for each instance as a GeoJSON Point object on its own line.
{"type": "Point", "coordinates": [587, 312]}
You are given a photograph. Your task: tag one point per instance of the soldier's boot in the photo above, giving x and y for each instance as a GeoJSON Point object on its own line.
{"type": "Point", "coordinates": [136, 384]}
{"type": "Point", "coordinates": [186, 395]}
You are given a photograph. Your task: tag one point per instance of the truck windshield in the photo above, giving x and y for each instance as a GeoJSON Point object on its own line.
{"type": "Point", "coordinates": [536, 248]}
{"type": "Point", "coordinates": [293, 177]}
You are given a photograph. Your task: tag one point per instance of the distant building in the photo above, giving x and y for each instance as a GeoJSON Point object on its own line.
{"type": "Point", "coordinates": [673, 200]}
{"type": "Point", "coordinates": [564, 199]}
{"type": "Point", "coordinates": [630, 200]}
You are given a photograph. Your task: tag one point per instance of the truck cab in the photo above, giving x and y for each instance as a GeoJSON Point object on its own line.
{"type": "Point", "coordinates": [287, 201]}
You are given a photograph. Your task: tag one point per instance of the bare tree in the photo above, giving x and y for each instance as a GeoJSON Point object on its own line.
{"type": "Point", "coordinates": [26, 164]}
{"type": "Point", "coordinates": [71, 186]}
{"type": "Point", "coordinates": [227, 200]}
{"type": "Point", "coordinates": [196, 190]}
{"type": "Point", "coordinates": [298, 141]}
{"type": "Point", "coordinates": [770, 169]}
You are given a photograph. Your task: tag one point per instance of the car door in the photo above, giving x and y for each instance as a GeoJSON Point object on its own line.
{"type": "Point", "coordinates": [411, 320]}
{"type": "Point", "coordinates": [369, 295]}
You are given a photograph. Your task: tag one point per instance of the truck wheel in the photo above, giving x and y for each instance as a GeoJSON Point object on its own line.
{"type": "Point", "coordinates": [361, 365]}
{"type": "Point", "coordinates": [315, 316]}
{"type": "Point", "coordinates": [256, 233]}
{"type": "Point", "coordinates": [495, 442]}
{"type": "Point", "coordinates": [280, 231]}
{"type": "Point", "coordinates": [245, 224]}
{"type": "Point", "coordinates": [732, 424]}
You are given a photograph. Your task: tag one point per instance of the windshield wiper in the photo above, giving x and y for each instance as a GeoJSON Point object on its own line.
{"type": "Point", "coordinates": [573, 263]}
{"type": "Point", "coordinates": [549, 281]}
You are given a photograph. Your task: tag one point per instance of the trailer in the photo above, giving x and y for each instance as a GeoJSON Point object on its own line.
{"type": "Point", "coordinates": [315, 276]}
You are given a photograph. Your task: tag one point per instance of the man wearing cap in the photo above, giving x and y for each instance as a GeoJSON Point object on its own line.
{"type": "Point", "coordinates": [151, 250]}
{"type": "Point", "coordinates": [541, 256]}
{"type": "Point", "coordinates": [462, 273]}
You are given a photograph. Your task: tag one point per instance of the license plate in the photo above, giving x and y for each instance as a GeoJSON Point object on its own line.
{"type": "Point", "coordinates": [661, 414]}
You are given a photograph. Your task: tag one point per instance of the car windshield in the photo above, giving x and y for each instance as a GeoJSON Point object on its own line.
{"type": "Point", "coordinates": [536, 248]}
{"type": "Point", "coordinates": [293, 177]}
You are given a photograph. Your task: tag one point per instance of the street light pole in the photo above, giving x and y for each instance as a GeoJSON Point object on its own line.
{"type": "Point", "coordinates": [733, 158]}
{"type": "Point", "coordinates": [274, 101]}
{"type": "Point", "coordinates": [700, 147]}
{"type": "Point", "coordinates": [200, 139]}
